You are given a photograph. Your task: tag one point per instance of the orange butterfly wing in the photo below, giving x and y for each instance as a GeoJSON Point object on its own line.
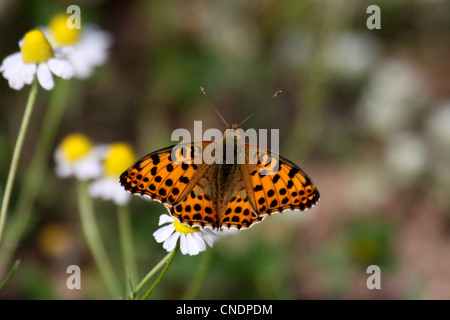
{"type": "Point", "coordinates": [274, 185]}
{"type": "Point", "coordinates": [196, 210]}
{"type": "Point", "coordinates": [188, 189]}
{"type": "Point", "coordinates": [173, 182]}
{"type": "Point", "coordinates": [160, 177]}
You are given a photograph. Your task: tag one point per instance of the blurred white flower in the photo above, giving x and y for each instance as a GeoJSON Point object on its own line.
{"type": "Point", "coordinates": [36, 56]}
{"type": "Point", "coordinates": [391, 99]}
{"type": "Point", "coordinates": [77, 157]}
{"type": "Point", "coordinates": [192, 240]}
{"type": "Point", "coordinates": [351, 53]}
{"type": "Point", "coordinates": [109, 189]}
{"type": "Point", "coordinates": [90, 44]}
{"type": "Point", "coordinates": [437, 130]}
{"type": "Point", "coordinates": [406, 155]}
{"type": "Point", "coordinates": [118, 157]}
{"type": "Point", "coordinates": [438, 125]}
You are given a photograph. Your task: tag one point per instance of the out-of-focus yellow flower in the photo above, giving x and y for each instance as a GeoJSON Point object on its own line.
{"type": "Point", "coordinates": [90, 45]}
{"type": "Point", "coordinates": [54, 240]}
{"type": "Point", "coordinates": [118, 157]}
{"type": "Point", "coordinates": [61, 33]}
{"type": "Point", "coordinates": [75, 147]}
{"type": "Point", "coordinates": [76, 156]}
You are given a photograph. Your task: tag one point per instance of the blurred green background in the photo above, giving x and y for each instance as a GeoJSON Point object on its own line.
{"type": "Point", "coordinates": [366, 113]}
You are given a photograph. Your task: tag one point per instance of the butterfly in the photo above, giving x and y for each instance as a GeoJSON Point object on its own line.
{"type": "Point", "coordinates": [218, 194]}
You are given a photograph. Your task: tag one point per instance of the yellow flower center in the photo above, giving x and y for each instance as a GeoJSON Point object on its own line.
{"type": "Point", "coordinates": [36, 48]}
{"type": "Point", "coordinates": [61, 32]}
{"type": "Point", "coordinates": [120, 156]}
{"type": "Point", "coordinates": [181, 228]}
{"type": "Point", "coordinates": [75, 146]}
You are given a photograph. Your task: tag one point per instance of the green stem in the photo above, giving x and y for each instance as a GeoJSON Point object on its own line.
{"type": "Point", "coordinates": [126, 243]}
{"type": "Point", "coordinates": [16, 156]}
{"type": "Point", "coordinates": [163, 272]}
{"type": "Point", "coordinates": [199, 276]}
{"type": "Point", "coordinates": [20, 219]}
{"type": "Point", "coordinates": [166, 260]}
{"type": "Point", "coordinates": [10, 274]}
{"type": "Point", "coordinates": [92, 236]}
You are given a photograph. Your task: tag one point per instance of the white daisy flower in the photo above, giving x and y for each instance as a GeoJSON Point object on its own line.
{"type": "Point", "coordinates": [76, 157]}
{"type": "Point", "coordinates": [192, 240]}
{"type": "Point", "coordinates": [36, 56]}
{"type": "Point", "coordinates": [91, 45]}
{"type": "Point", "coordinates": [118, 157]}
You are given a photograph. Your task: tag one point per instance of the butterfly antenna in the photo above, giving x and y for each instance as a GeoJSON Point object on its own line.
{"type": "Point", "coordinates": [260, 107]}
{"type": "Point", "coordinates": [212, 104]}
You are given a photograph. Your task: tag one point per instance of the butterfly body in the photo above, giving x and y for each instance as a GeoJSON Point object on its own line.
{"type": "Point", "coordinates": [208, 184]}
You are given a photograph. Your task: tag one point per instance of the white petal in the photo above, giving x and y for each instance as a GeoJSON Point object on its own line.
{"type": "Point", "coordinates": [163, 233]}
{"type": "Point", "coordinates": [83, 70]}
{"type": "Point", "coordinates": [20, 75]}
{"type": "Point", "coordinates": [61, 68]}
{"type": "Point", "coordinates": [165, 218]}
{"type": "Point", "coordinates": [89, 167]}
{"type": "Point", "coordinates": [200, 241]}
{"type": "Point", "coordinates": [63, 51]}
{"type": "Point", "coordinates": [99, 152]}
{"type": "Point", "coordinates": [16, 83]}
{"type": "Point", "coordinates": [63, 171]}
{"type": "Point", "coordinates": [91, 50]}
{"type": "Point", "coordinates": [96, 188]}
{"type": "Point", "coordinates": [183, 244]}
{"type": "Point", "coordinates": [171, 242]}
{"type": "Point", "coordinates": [12, 59]}
{"type": "Point", "coordinates": [120, 196]}
{"type": "Point", "coordinates": [85, 169]}
{"type": "Point", "coordinates": [28, 72]}
{"type": "Point", "coordinates": [17, 72]}
{"type": "Point", "coordinates": [45, 76]}
{"type": "Point", "coordinates": [192, 245]}
{"type": "Point", "coordinates": [108, 188]}
{"type": "Point", "coordinates": [208, 237]}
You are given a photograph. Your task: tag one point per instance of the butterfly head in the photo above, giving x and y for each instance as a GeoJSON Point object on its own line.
{"type": "Point", "coordinates": [232, 133]}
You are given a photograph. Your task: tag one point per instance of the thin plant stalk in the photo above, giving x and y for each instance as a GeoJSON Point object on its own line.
{"type": "Point", "coordinates": [20, 218]}
{"type": "Point", "coordinates": [165, 261]}
{"type": "Point", "coordinates": [10, 274]}
{"type": "Point", "coordinates": [126, 243]}
{"type": "Point", "coordinates": [16, 156]}
{"type": "Point", "coordinates": [93, 239]}
{"type": "Point", "coordinates": [163, 272]}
